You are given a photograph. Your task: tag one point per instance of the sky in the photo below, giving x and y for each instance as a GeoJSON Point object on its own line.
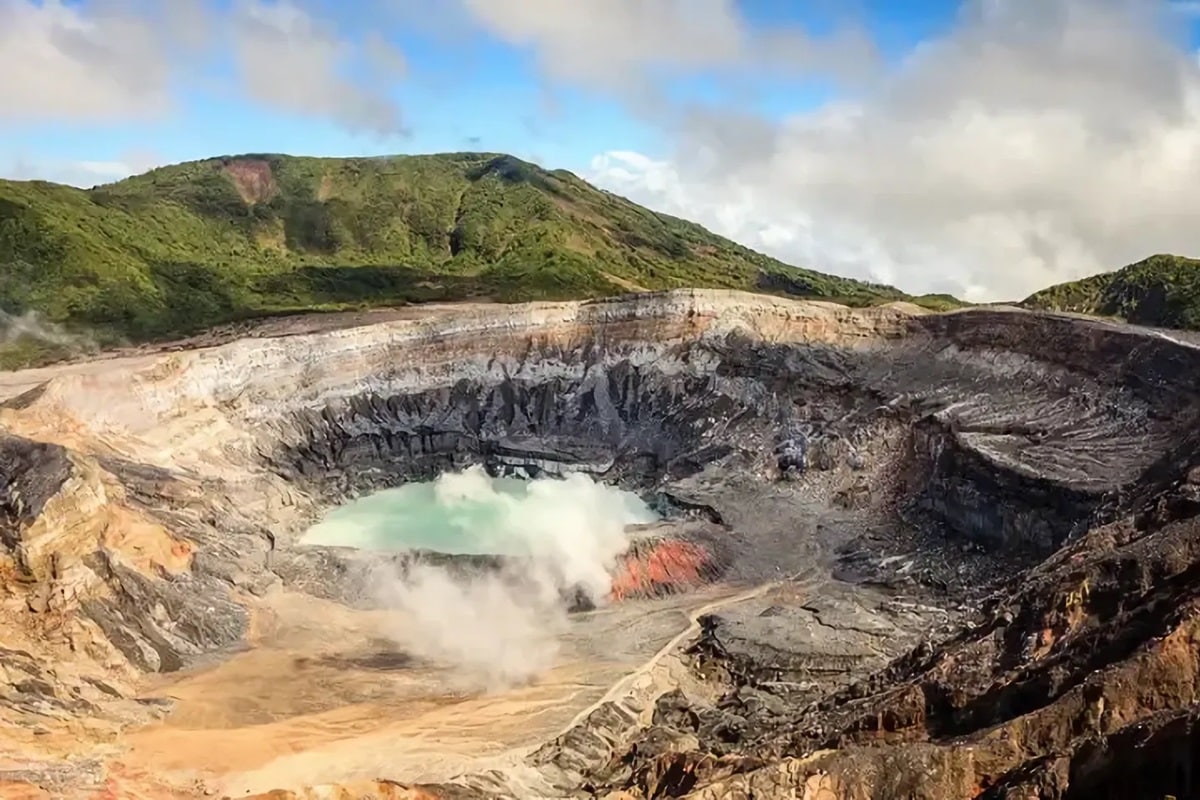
{"type": "Point", "coordinates": [985, 148]}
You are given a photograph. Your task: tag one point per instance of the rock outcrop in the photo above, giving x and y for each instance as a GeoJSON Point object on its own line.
{"type": "Point", "coordinates": [961, 541]}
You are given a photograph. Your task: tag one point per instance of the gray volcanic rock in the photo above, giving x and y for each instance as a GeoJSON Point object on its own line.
{"type": "Point", "coordinates": [868, 477]}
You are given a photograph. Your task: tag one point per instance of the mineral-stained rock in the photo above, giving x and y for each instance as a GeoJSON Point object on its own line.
{"type": "Point", "coordinates": [658, 565]}
{"type": "Point", "coordinates": [979, 576]}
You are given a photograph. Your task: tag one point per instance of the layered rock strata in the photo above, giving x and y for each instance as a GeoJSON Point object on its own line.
{"type": "Point", "coordinates": [896, 463]}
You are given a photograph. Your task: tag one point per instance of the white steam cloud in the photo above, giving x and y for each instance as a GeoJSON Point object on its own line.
{"type": "Point", "coordinates": [15, 328]}
{"type": "Point", "coordinates": [497, 628]}
{"type": "Point", "coordinates": [31, 325]}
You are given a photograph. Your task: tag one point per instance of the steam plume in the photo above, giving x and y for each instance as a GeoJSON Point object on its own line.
{"type": "Point", "coordinates": [30, 325]}
{"type": "Point", "coordinates": [497, 628]}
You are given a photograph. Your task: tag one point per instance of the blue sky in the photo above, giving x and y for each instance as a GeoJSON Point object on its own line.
{"type": "Point", "coordinates": [463, 90]}
{"type": "Point", "coordinates": [986, 148]}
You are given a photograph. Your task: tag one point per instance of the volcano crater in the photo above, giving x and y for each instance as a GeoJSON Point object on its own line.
{"type": "Point", "coordinates": [839, 488]}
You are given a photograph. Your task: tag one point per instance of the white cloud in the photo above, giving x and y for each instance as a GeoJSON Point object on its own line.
{"type": "Point", "coordinates": [290, 60]}
{"type": "Point", "coordinates": [1035, 142]}
{"type": "Point", "coordinates": [122, 60]}
{"type": "Point", "coordinates": [60, 63]}
{"type": "Point", "coordinates": [616, 44]}
{"type": "Point", "coordinates": [593, 39]}
{"type": "Point", "coordinates": [84, 174]}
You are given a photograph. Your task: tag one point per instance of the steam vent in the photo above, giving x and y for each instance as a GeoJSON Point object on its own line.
{"type": "Point", "coordinates": [694, 544]}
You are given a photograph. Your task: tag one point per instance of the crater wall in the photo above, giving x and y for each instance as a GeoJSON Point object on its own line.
{"type": "Point", "coordinates": [1018, 428]}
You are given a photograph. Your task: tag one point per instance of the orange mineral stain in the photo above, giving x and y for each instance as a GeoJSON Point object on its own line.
{"type": "Point", "coordinates": [666, 566]}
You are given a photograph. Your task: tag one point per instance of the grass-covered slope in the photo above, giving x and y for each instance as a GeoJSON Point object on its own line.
{"type": "Point", "coordinates": [192, 245]}
{"type": "Point", "coordinates": [1162, 290]}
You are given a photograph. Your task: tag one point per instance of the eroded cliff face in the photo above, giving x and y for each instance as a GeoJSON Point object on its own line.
{"type": "Point", "coordinates": [917, 459]}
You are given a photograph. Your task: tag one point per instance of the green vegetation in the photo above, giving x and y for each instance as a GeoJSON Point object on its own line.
{"type": "Point", "coordinates": [1162, 291]}
{"type": "Point", "coordinates": [189, 246]}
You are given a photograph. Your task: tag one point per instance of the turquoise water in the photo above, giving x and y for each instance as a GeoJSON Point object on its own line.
{"type": "Point", "coordinates": [472, 513]}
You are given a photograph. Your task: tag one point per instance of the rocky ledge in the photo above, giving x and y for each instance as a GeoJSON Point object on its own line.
{"type": "Point", "coordinates": [956, 548]}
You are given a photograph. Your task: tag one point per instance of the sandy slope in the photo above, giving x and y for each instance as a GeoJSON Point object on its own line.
{"type": "Point", "coordinates": [322, 697]}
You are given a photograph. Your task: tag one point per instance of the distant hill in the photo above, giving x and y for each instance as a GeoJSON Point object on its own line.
{"type": "Point", "coordinates": [193, 245]}
{"type": "Point", "coordinates": [1162, 291]}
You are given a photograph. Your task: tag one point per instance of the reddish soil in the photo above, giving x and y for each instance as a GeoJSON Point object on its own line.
{"type": "Point", "coordinates": [253, 179]}
{"type": "Point", "coordinates": [664, 567]}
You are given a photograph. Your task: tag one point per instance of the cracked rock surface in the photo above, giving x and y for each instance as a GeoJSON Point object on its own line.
{"type": "Point", "coordinates": [908, 555]}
